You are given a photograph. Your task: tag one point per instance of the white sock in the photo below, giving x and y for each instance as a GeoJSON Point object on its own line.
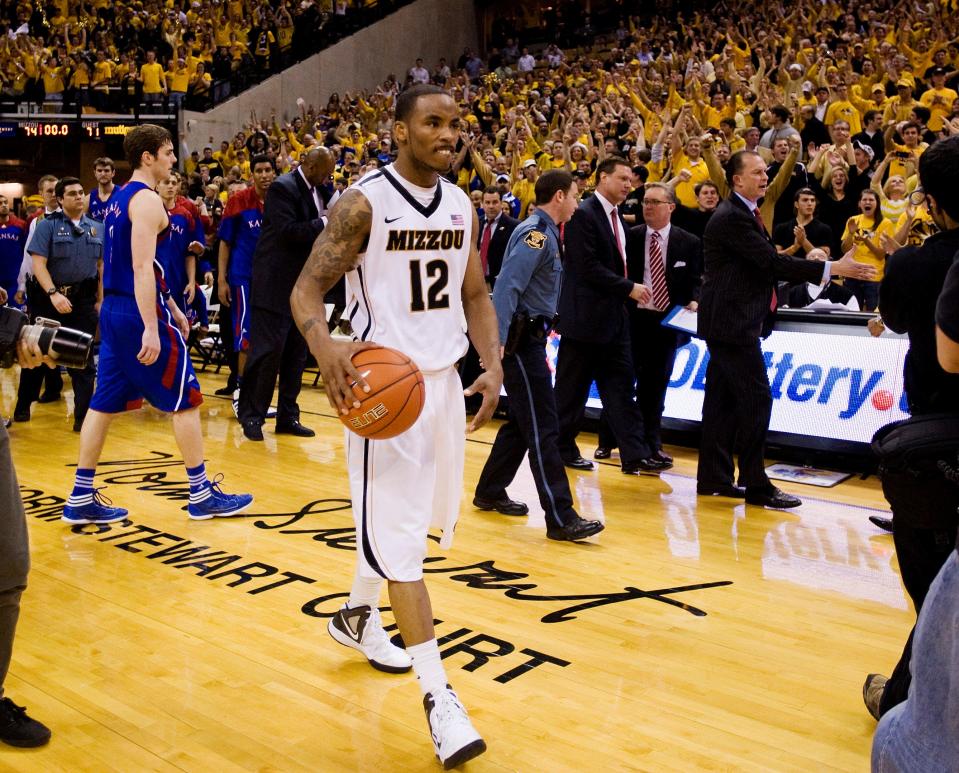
{"type": "Point", "coordinates": [428, 666]}
{"type": "Point", "coordinates": [365, 591]}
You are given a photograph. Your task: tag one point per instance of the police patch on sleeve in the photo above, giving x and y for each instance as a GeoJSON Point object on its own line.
{"type": "Point", "coordinates": [535, 239]}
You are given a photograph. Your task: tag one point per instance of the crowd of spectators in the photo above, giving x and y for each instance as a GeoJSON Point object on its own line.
{"type": "Point", "coordinates": [119, 56]}
{"type": "Point", "coordinates": [840, 101]}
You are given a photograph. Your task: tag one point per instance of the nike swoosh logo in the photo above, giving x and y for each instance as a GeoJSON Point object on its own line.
{"type": "Point", "coordinates": [352, 626]}
{"type": "Point", "coordinates": [392, 219]}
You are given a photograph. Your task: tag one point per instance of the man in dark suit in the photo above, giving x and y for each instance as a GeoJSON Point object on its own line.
{"type": "Point", "coordinates": [669, 261]}
{"type": "Point", "coordinates": [495, 228]}
{"type": "Point", "coordinates": [293, 216]}
{"type": "Point", "coordinates": [737, 307]}
{"type": "Point", "coordinates": [594, 324]}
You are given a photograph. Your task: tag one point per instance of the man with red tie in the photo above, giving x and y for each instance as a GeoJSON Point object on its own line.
{"type": "Point", "coordinates": [495, 228]}
{"type": "Point", "coordinates": [669, 261]}
{"type": "Point", "coordinates": [594, 324]}
{"type": "Point", "coordinates": [737, 307]}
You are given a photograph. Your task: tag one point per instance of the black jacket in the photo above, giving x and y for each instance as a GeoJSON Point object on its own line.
{"type": "Point", "coordinates": [796, 296]}
{"type": "Point", "coordinates": [290, 226]}
{"type": "Point", "coordinates": [497, 243]}
{"type": "Point", "coordinates": [741, 269]}
{"type": "Point", "coordinates": [907, 296]}
{"type": "Point", "coordinates": [684, 262]}
{"type": "Point", "coordinates": [595, 287]}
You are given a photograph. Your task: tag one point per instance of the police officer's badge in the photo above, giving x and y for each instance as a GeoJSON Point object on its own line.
{"type": "Point", "coordinates": [535, 239]}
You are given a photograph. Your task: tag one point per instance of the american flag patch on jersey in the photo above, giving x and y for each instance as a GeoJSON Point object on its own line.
{"type": "Point", "coordinates": [457, 219]}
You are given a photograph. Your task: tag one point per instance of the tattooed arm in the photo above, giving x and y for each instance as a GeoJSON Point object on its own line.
{"type": "Point", "coordinates": [483, 332]}
{"type": "Point", "coordinates": [335, 252]}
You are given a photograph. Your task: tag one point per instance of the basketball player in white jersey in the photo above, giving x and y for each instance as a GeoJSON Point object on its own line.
{"type": "Point", "coordinates": [404, 236]}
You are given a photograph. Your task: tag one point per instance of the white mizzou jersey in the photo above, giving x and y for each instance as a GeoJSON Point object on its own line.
{"type": "Point", "coordinates": [406, 292]}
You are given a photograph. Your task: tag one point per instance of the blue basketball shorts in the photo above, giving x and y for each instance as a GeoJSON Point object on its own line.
{"type": "Point", "coordinates": [169, 384]}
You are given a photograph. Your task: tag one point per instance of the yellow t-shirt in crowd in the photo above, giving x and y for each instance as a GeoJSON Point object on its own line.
{"type": "Point", "coordinates": [921, 227]}
{"type": "Point", "coordinates": [102, 74]}
{"type": "Point", "coordinates": [152, 75]}
{"type": "Point", "coordinates": [686, 191]}
{"type": "Point", "coordinates": [53, 80]}
{"type": "Point", "coordinates": [178, 79]}
{"type": "Point", "coordinates": [846, 111]}
{"type": "Point", "coordinates": [939, 102]}
{"type": "Point", "coordinates": [862, 228]}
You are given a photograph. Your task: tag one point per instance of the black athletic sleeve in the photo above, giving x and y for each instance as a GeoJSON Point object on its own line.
{"type": "Point", "coordinates": [947, 308]}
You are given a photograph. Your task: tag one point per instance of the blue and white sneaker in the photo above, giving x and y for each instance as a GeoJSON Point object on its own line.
{"type": "Point", "coordinates": [97, 510]}
{"type": "Point", "coordinates": [218, 504]}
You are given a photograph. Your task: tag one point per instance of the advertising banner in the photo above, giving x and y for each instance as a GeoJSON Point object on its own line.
{"type": "Point", "coordinates": [842, 387]}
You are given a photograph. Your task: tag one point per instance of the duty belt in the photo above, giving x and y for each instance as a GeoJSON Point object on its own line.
{"type": "Point", "coordinates": [76, 287]}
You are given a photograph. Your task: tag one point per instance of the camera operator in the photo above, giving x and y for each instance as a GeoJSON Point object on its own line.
{"type": "Point", "coordinates": [16, 728]}
{"type": "Point", "coordinates": [67, 252]}
{"type": "Point", "coordinates": [52, 382]}
{"type": "Point", "coordinates": [925, 520]}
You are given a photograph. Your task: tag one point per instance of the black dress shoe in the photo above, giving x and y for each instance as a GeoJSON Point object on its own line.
{"type": "Point", "coordinates": [662, 456]}
{"type": "Point", "coordinates": [575, 530]}
{"type": "Point", "coordinates": [225, 391]}
{"type": "Point", "coordinates": [644, 465]}
{"type": "Point", "coordinates": [722, 490]}
{"type": "Point", "coordinates": [772, 497]}
{"type": "Point", "coordinates": [21, 414]}
{"type": "Point", "coordinates": [48, 397]}
{"type": "Point", "coordinates": [883, 523]}
{"type": "Point", "coordinates": [253, 430]}
{"type": "Point", "coordinates": [602, 453]}
{"type": "Point", "coordinates": [504, 505]}
{"type": "Point", "coordinates": [294, 428]}
{"type": "Point", "coordinates": [579, 463]}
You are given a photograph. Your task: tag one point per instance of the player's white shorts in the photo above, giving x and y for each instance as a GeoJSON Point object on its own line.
{"type": "Point", "coordinates": [402, 486]}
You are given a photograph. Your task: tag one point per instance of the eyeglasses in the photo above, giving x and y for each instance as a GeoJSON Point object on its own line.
{"type": "Point", "coordinates": [654, 202]}
{"type": "Point", "coordinates": [917, 197]}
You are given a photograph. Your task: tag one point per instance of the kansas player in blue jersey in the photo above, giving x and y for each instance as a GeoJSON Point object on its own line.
{"type": "Point", "coordinates": [12, 234]}
{"type": "Point", "coordinates": [143, 351]}
{"type": "Point", "coordinates": [177, 252]}
{"type": "Point", "coordinates": [239, 233]}
{"type": "Point", "coordinates": [99, 198]}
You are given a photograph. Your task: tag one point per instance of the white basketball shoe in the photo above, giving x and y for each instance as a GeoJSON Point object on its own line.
{"type": "Point", "coordinates": [454, 737]}
{"type": "Point", "coordinates": [362, 629]}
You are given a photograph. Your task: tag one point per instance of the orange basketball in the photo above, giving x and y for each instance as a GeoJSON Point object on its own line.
{"type": "Point", "coordinates": [396, 394]}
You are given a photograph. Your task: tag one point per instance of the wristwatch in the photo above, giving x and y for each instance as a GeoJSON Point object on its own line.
{"type": "Point", "coordinates": [53, 290]}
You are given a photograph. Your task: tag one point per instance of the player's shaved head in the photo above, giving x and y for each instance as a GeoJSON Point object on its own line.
{"type": "Point", "coordinates": [318, 165]}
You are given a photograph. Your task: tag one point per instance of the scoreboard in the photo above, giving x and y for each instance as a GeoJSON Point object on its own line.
{"type": "Point", "coordinates": [82, 129]}
{"type": "Point", "coordinates": [65, 144]}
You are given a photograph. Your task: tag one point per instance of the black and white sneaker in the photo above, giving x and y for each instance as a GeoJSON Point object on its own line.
{"type": "Point", "coordinates": [17, 729]}
{"type": "Point", "coordinates": [454, 737]}
{"type": "Point", "coordinates": [236, 403]}
{"type": "Point", "coordinates": [362, 629]}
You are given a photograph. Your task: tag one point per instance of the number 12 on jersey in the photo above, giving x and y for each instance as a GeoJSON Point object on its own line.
{"type": "Point", "coordinates": [437, 277]}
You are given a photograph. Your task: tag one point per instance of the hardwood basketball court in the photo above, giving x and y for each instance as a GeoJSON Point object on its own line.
{"type": "Point", "coordinates": [693, 634]}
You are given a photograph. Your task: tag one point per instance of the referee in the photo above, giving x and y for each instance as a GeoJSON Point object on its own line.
{"type": "Point", "coordinates": [67, 252]}
{"type": "Point", "coordinates": [525, 298]}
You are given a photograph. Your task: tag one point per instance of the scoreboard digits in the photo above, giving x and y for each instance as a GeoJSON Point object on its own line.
{"type": "Point", "coordinates": [45, 129]}
{"type": "Point", "coordinates": [66, 129]}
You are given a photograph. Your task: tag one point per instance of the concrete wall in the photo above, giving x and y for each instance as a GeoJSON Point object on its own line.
{"type": "Point", "coordinates": [429, 29]}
